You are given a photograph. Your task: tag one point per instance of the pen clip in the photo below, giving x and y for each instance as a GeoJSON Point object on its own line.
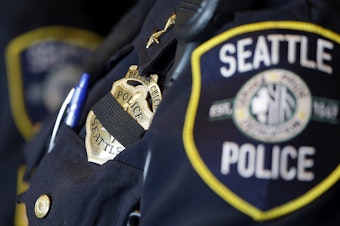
{"type": "Point", "coordinates": [59, 118]}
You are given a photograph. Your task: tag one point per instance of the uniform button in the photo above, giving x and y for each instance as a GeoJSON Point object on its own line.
{"type": "Point", "coordinates": [134, 218]}
{"type": "Point", "coordinates": [42, 206]}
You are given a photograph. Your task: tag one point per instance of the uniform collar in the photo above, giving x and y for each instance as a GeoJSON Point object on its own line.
{"type": "Point", "coordinates": [155, 24]}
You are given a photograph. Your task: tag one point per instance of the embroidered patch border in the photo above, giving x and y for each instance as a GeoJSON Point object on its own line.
{"type": "Point", "coordinates": [78, 37]}
{"type": "Point", "coordinates": [188, 138]}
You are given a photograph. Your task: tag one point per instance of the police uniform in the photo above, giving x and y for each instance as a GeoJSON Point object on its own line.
{"type": "Point", "coordinates": [247, 134]}
{"type": "Point", "coordinates": [45, 47]}
{"type": "Point", "coordinates": [93, 175]}
{"type": "Point", "coordinates": [231, 132]}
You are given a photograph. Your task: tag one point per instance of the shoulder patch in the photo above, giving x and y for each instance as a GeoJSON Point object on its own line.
{"type": "Point", "coordinates": [42, 66]}
{"type": "Point", "coordinates": [263, 96]}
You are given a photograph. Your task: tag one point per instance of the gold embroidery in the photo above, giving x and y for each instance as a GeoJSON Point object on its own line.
{"type": "Point", "coordinates": [154, 38]}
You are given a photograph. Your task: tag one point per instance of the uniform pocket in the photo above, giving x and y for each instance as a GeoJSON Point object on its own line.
{"type": "Point", "coordinates": [80, 192]}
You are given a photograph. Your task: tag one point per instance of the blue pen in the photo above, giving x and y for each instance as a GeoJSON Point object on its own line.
{"type": "Point", "coordinates": [77, 101]}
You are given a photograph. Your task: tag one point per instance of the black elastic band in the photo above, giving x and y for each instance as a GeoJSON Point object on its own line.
{"type": "Point", "coordinates": [117, 121]}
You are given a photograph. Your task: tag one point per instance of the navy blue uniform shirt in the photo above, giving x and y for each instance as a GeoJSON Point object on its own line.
{"type": "Point", "coordinates": [44, 48]}
{"type": "Point", "coordinates": [248, 134]}
{"type": "Point", "coordinates": [85, 193]}
{"type": "Point", "coordinates": [245, 135]}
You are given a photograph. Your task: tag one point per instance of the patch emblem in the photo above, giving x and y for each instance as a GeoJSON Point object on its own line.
{"type": "Point", "coordinates": [273, 106]}
{"type": "Point", "coordinates": [263, 97]}
{"type": "Point", "coordinates": [42, 66]}
{"type": "Point", "coordinates": [139, 96]}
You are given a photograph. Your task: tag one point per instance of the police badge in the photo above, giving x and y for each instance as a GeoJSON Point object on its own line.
{"type": "Point", "coordinates": [129, 109]}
